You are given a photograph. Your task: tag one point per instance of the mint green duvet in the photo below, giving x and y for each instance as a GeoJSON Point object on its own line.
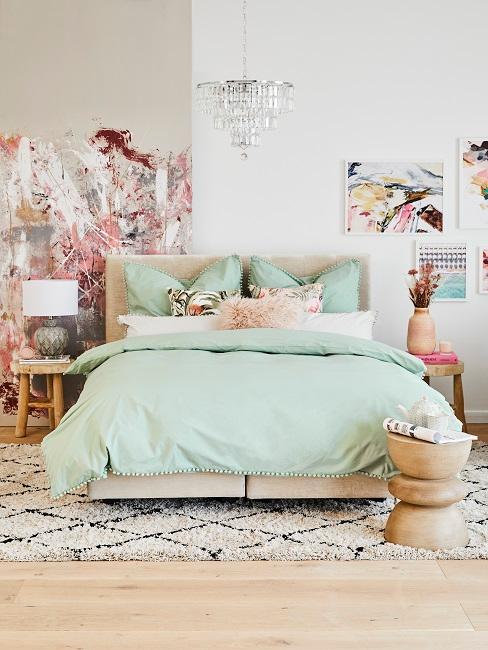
{"type": "Point", "coordinates": [276, 402]}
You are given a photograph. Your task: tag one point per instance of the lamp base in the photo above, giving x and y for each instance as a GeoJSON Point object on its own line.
{"type": "Point", "coordinates": [51, 340]}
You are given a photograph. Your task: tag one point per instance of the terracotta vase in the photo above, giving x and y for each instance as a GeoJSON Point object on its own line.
{"type": "Point", "coordinates": [421, 332]}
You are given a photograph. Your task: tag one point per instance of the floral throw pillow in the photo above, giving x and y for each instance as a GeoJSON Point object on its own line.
{"type": "Point", "coordinates": [310, 295]}
{"type": "Point", "coordinates": [185, 302]}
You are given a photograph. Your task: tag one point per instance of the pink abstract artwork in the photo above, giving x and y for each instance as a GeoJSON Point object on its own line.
{"type": "Point", "coordinates": [63, 206]}
{"type": "Point", "coordinates": [394, 198]}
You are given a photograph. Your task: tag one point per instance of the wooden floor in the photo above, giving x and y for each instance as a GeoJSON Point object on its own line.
{"type": "Point", "coordinates": [395, 605]}
{"type": "Point", "coordinates": [215, 606]}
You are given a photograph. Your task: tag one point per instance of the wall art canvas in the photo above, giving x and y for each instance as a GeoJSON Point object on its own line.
{"type": "Point", "coordinates": [64, 205]}
{"type": "Point", "coordinates": [402, 198]}
{"type": "Point", "coordinates": [473, 183]}
{"type": "Point", "coordinates": [450, 260]}
{"type": "Point", "coordinates": [483, 262]}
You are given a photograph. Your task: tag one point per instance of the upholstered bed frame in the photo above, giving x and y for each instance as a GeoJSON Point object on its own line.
{"type": "Point", "coordinates": [212, 484]}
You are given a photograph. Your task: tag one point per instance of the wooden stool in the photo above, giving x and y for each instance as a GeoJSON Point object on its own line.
{"type": "Point", "coordinates": [454, 370]}
{"type": "Point", "coordinates": [54, 384]}
{"type": "Point", "coordinates": [426, 515]}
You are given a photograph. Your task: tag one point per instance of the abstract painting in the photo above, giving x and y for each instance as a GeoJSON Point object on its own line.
{"type": "Point", "coordinates": [64, 205]}
{"type": "Point", "coordinates": [394, 197]}
{"type": "Point", "coordinates": [473, 183]}
{"type": "Point", "coordinates": [483, 288]}
{"type": "Point", "coordinates": [450, 260]}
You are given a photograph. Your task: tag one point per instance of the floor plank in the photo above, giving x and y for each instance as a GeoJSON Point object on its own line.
{"type": "Point", "coordinates": [275, 615]}
{"type": "Point", "coordinates": [480, 430]}
{"type": "Point", "coordinates": [468, 580]}
{"type": "Point", "coordinates": [477, 612]}
{"type": "Point", "coordinates": [246, 640]}
{"type": "Point", "coordinates": [34, 436]}
{"type": "Point", "coordinates": [255, 593]}
{"type": "Point", "coordinates": [393, 570]}
{"type": "Point", "coordinates": [9, 590]}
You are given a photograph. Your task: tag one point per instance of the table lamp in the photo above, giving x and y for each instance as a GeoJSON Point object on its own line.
{"type": "Point", "coordinates": [50, 298]}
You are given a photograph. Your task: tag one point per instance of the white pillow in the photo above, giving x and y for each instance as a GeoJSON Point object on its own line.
{"type": "Point", "coordinates": [145, 325]}
{"type": "Point", "coordinates": [354, 323]}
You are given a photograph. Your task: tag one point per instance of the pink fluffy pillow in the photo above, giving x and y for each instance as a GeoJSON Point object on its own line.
{"type": "Point", "coordinates": [242, 313]}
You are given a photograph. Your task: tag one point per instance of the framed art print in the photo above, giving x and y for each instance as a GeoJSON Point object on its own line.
{"type": "Point", "coordinates": [450, 260]}
{"type": "Point", "coordinates": [401, 198]}
{"type": "Point", "coordinates": [473, 183]}
{"type": "Point", "coordinates": [483, 262]}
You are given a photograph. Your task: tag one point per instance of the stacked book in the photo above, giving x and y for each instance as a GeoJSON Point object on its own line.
{"type": "Point", "coordinates": [438, 358]}
{"type": "Point", "coordinates": [44, 360]}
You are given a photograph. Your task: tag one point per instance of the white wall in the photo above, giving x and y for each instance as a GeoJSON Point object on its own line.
{"type": "Point", "coordinates": [126, 63]}
{"type": "Point", "coordinates": [373, 80]}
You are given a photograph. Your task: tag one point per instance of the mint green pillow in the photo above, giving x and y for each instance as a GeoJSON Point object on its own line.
{"type": "Point", "coordinates": [147, 287]}
{"type": "Point", "coordinates": [341, 292]}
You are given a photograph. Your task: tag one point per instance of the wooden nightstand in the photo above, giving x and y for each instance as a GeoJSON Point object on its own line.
{"type": "Point", "coordinates": [429, 489]}
{"type": "Point", "coordinates": [55, 399]}
{"type": "Point", "coordinates": [454, 370]}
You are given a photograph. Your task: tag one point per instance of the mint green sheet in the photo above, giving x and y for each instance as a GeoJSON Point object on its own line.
{"type": "Point", "coordinates": [273, 402]}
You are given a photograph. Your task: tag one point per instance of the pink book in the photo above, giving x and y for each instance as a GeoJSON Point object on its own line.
{"type": "Point", "coordinates": [438, 358]}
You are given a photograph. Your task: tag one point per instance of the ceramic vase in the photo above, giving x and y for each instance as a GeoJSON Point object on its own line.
{"type": "Point", "coordinates": [421, 332]}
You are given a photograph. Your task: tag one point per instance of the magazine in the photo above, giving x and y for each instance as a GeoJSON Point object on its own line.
{"type": "Point", "coordinates": [422, 433]}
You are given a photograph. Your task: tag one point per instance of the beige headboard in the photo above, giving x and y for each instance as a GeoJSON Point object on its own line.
{"type": "Point", "coordinates": [188, 266]}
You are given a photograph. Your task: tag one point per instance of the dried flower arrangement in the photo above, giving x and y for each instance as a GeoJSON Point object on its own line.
{"type": "Point", "coordinates": [422, 285]}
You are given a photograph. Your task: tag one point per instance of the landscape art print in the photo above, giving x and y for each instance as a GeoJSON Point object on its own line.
{"type": "Point", "coordinates": [64, 205]}
{"type": "Point", "coordinates": [450, 260]}
{"type": "Point", "coordinates": [483, 288]}
{"type": "Point", "coordinates": [473, 183]}
{"type": "Point", "coordinates": [402, 198]}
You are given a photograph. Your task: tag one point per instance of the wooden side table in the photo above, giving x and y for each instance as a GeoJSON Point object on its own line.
{"type": "Point", "coordinates": [426, 515]}
{"type": "Point", "coordinates": [454, 370]}
{"type": "Point", "coordinates": [54, 384]}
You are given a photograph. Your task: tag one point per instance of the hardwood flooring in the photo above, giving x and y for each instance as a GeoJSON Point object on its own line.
{"type": "Point", "coordinates": [385, 605]}
{"type": "Point", "coordinates": [206, 605]}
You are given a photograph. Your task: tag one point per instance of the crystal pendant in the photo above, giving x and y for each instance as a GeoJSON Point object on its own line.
{"type": "Point", "coordinates": [245, 107]}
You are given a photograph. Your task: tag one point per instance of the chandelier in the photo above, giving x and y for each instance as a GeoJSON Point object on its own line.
{"type": "Point", "coordinates": [245, 107]}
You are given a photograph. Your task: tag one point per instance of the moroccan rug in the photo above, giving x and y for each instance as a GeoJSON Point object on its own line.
{"type": "Point", "coordinates": [33, 527]}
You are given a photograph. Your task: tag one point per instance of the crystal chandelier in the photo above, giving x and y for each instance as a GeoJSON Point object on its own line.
{"type": "Point", "coordinates": [245, 107]}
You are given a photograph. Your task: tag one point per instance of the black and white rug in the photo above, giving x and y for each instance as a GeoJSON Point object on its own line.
{"type": "Point", "coordinates": [33, 527]}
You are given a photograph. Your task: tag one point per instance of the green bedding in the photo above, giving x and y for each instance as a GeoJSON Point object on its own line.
{"type": "Point", "coordinates": [272, 402]}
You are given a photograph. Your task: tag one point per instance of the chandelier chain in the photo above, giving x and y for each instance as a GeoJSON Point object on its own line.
{"type": "Point", "coordinates": [244, 39]}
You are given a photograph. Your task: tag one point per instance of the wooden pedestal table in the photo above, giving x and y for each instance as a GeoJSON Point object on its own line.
{"type": "Point", "coordinates": [454, 370]}
{"type": "Point", "coordinates": [54, 385]}
{"type": "Point", "coordinates": [426, 515]}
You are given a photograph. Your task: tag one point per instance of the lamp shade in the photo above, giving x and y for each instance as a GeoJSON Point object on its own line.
{"type": "Point", "coordinates": [50, 297]}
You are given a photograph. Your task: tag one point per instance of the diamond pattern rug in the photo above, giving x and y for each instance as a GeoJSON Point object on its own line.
{"type": "Point", "coordinates": [33, 527]}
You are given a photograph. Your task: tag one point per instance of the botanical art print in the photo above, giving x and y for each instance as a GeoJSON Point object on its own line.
{"type": "Point", "coordinates": [394, 197]}
{"type": "Point", "coordinates": [450, 261]}
{"type": "Point", "coordinates": [483, 288]}
{"type": "Point", "coordinates": [63, 205]}
{"type": "Point", "coordinates": [473, 183]}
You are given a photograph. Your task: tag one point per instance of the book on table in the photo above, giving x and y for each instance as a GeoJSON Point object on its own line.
{"type": "Point", "coordinates": [40, 360]}
{"type": "Point", "coordinates": [438, 358]}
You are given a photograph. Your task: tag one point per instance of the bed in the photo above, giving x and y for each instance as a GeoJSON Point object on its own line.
{"type": "Point", "coordinates": [222, 482]}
